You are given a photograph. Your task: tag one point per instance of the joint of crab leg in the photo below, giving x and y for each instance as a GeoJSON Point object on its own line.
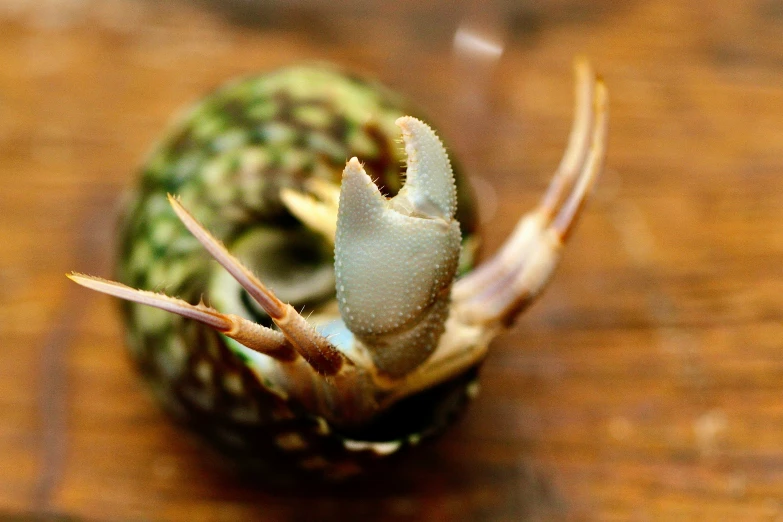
{"type": "Point", "coordinates": [260, 339]}
{"type": "Point", "coordinates": [395, 259]}
{"type": "Point", "coordinates": [311, 345]}
{"type": "Point", "coordinates": [506, 297]}
{"type": "Point", "coordinates": [248, 333]}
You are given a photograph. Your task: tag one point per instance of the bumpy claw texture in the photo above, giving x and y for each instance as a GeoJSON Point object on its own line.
{"type": "Point", "coordinates": [395, 259]}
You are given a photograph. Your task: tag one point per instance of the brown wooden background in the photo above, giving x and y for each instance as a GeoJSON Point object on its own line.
{"type": "Point", "coordinates": [647, 383]}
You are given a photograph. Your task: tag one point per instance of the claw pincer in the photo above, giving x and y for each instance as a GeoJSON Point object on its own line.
{"type": "Point", "coordinates": [395, 259]}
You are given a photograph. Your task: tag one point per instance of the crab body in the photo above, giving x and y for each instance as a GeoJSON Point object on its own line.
{"type": "Point", "coordinates": [389, 351]}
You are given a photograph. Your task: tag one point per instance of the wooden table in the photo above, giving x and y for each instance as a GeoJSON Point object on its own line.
{"type": "Point", "coordinates": [646, 384]}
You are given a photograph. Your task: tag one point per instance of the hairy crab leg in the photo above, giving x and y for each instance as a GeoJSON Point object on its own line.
{"type": "Point", "coordinates": [297, 378]}
{"type": "Point", "coordinates": [254, 336]}
{"type": "Point", "coordinates": [508, 283]}
{"type": "Point", "coordinates": [311, 345]}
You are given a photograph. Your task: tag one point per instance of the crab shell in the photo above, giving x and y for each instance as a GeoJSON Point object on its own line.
{"type": "Point", "coordinates": [390, 350]}
{"type": "Point", "coordinates": [227, 159]}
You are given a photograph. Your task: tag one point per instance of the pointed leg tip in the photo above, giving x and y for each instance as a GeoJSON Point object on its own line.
{"type": "Point", "coordinates": [79, 279]}
{"type": "Point", "coordinates": [181, 212]}
{"type": "Point", "coordinates": [582, 65]}
{"type": "Point", "coordinates": [176, 203]}
{"type": "Point", "coordinates": [87, 281]}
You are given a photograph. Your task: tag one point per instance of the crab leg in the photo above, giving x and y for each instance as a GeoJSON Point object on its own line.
{"type": "Point", "coordinates": [578, 140]}
{"type": "Point", "coordinates": [254, 336]}
{"type": "Point", "coordinates": [569, 168]}
{"type": "Point", "coordinates": [318, 214]}
{"type": "Point", "coordinates": [505, 285]}
{"type": "Point", "coordinates": [311, 345]}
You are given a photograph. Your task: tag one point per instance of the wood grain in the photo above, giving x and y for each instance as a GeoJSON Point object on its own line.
{"type": "Point", "coordinates": [646, 384]}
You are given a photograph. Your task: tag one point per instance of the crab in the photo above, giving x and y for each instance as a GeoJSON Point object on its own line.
{"type": "Point", "coordinates": [404, 322]}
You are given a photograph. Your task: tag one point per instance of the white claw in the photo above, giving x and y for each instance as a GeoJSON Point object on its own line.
{"type": "Point", "coordinates": [395, 259]}
{"type": "Point", "coordinates": [429, 185]}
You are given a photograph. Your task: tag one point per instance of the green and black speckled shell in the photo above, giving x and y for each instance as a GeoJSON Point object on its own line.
{"type": "Point", "coordinates": [227, 159]}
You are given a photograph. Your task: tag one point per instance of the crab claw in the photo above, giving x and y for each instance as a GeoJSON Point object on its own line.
{"type": "Point", "coordinates": [395, 259]}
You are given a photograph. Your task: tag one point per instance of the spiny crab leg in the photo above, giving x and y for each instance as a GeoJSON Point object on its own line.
{"type": "Point", "coordinates": [254, 336]}
{"type": "Point", "coordinates": [506, 284]}
{"type": "Point", "coordinates": [311, 345]}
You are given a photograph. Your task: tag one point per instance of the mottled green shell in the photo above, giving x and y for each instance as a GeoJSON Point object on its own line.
{"type": "Point", "coordinates": [227, 158]}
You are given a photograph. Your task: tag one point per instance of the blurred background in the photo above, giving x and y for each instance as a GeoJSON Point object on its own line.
{"type": "Point", "coordinates": [646, 384]}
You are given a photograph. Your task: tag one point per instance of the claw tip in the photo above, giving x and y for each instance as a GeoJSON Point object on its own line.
{"type": "Point", "coordinates": [353, 168]}
{"type": "Point", "coordinates": [408, 123]}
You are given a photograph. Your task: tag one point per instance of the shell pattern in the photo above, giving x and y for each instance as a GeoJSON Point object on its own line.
{"type": "Point", "coordinates": [227, 160]}
{"type": "Point", "coordinates": [378, 257]}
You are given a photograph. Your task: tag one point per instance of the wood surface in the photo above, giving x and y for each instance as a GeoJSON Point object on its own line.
{"type": "Point", "coordinates": [647, 383]}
